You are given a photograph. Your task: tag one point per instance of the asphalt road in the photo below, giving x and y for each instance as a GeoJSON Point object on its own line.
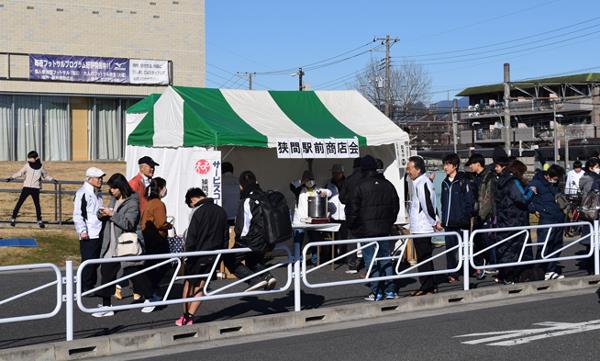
{"type": "Point", "coordinates": [51, 330]}
{"type": "Point", "coordinates": [566, 328]}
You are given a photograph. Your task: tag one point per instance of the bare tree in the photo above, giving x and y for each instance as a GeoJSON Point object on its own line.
{"type": "Point", "coordinates": [410, 84]}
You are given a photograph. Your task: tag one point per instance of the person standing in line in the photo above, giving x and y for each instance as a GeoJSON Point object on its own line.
{"type": "Point", "coordinates": [207, 231]}
{"type": "Point", "coordinates": [87, 203]}
{"type": "Point", "coordinates": [154, 229]}
{"type": "Point", "coordinates": [590, 176]}
{"type": "Point", "coordinates": [483, 209]}
{"type": "Point", "coordinates": [354, 262]}
{"type": "Point", "coordinates": [573, 177]}
{"type": "Point", "coordinates": [373, 211]}
{"type": "Point", "coordinates": [250, 232]}
{"type": "Point", "coordinates": [423, 220]}
{"type": "Point", "coordinates": [457, 208]}
{"type": "Point", "coordinates": [121, 216]}
{"type": "Point", "coordinates": [545, 188]}
{"type": "Point", "coordinates": [34, 173]}
{"type": "Point", "coordinates": [511, 199]}
{"type": "Point", "coordinates": [141, 181]}
{"type": "Point", "coordinates": [231, 192]}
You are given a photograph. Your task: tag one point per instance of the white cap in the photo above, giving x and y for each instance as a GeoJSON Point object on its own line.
{"type": "Point", "coordinates": [94, 172]}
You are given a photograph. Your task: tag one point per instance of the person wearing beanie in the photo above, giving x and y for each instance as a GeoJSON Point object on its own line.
{"type": "Point", "coordinates": [33, 173]}
{"type": "Point", "coordinates": [372, 212]}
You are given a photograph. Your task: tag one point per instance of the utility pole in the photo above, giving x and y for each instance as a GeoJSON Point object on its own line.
{"type": "Point", "coordinates": [300, 83]}
{"type": "Point", "coordinates": [507, 128]}
{"type": "Point", "coordinates": [455, 125]}
{"type": "Point", "coordinates": [388, 42]}
{"type": "Point", "coordinates": [250, 76]}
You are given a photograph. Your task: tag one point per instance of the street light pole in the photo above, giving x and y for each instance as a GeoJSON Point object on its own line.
{"type": "Point", "coordinates": [555, 133]}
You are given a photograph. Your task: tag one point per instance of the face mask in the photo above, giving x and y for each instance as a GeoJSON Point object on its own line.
{"type": "Point", "coordinates": [596, 170]}
{"type": "Point", "coordinates": [310, 183]}
{"type": "Point", "coordinates": [163, 193]}
{"type": "Point", "coordinates": [552, 181]}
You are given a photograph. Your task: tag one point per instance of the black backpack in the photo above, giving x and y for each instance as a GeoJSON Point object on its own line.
{"type": "Point", "coordinates": [275, 216]}
{"type": "Point", "coordinates": [589, 206]}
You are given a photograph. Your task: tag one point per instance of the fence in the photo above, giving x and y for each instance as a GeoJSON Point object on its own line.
{"type": "Point", "coordinates": [57, 191]}
{"type": "Point", "coordinates": [297, 270]}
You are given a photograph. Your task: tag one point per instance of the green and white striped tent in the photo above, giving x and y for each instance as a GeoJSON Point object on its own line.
{"type": "Point", "coordinates": [244, 125]}
{"type": "Point", "coordinates": [188, 117]}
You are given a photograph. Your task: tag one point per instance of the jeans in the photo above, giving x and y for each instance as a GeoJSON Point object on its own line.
{"type": "Point", "coordinates": [380, 268]}
{"type": "Point", "coordinates": [299, 241]}
{"type": "Point", "coordinates": [89, 249]}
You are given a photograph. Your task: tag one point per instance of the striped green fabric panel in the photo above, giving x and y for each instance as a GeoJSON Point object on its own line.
{"type": "Point", "coordinates": [143, 134]}
{"type": "Point", "coordinates": [306, 110]}
{"type": "Point", "coordinates": [144, 105]}
{"type": "Point", "coordinates": [209, 120]}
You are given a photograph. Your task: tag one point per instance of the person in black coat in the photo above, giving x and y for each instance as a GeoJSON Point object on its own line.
{"type": "Point", "coordinates": [345, 197]}
{"type": "Point", "coordinates": [249, 232]}
{"type": "Point", "coordinates": [511, 200]}
{"type": "Point", "coordinates": [545, 187]}
{"type": "Point", "coordinates": [374, 207]}
{"type": "Point", "coordinates": [208, 231]}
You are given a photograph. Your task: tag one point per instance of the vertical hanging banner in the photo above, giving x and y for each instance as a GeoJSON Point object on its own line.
{"type": "Point", "coordinates": [317, 148]}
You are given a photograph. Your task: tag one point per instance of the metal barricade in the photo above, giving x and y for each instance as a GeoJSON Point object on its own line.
{"type": "Point", "coordinates": [176, 257]}
{"type": "Point", "coordinates": [57, 282]}
{"type": "Point", "coordinates": [374, 242]}
{"type": "Point", "coordinates": [525, 232]}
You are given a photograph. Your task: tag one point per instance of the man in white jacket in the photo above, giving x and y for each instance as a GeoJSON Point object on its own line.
{"type": "Point", "coordinates": [423, 220]}
{"type": "Point", "coordinates": [88, 200]}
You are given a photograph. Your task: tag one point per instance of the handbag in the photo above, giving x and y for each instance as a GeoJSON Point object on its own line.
{"type": "Point", "coordinates": [176, 242]}
{"type": "Point", "coordinates": [128, 244]}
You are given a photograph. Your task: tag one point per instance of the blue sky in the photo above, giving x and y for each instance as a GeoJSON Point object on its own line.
{"type": "Point", "coordinates": [460, 43]}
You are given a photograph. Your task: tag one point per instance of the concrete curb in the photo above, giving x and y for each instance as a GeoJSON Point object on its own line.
{"type": "Point", "coordinates": [218, 330]}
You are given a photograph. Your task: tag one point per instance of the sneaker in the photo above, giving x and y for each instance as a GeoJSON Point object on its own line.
{"type": "Point", "coordinates": [492, 272]}
{"type": "Point", "coordinates": [351, 271]}
{"type": "Point", "coordinates": [391, 295]}
{"type": "Point", "coordinates": [479, 274]}
{"type": "Point", "coordinates": [271, 282]}
{"type": "Point", "coordinates": [560, 277]}
{"type": "Point", "coordinates": [41, 224]}
{"type": "Point", "coordinates": [100, 314]}
{"type": "Point", "coordinates": [148, 309]}
{"type": "Point", "coordinates": [256, 286]}
{"type": "Point", "coordinates": [118, 293]}
{"type": "Point", "coordinates": [550, 276]}
{"type": "Point", "coordinates": [136, 297]}
{"type": "Point", "coordinates": [372, 297]}
{"type": "Point", "coordinates": [13, 222]}
{"type": "Point", "coordinates": [183, 321]}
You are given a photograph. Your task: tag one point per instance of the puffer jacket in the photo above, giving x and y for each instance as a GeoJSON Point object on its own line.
{"type": "Point", "coordinates": [374, 207]}
{"type": "Point", "coordinates": [457, 201]}
{"type": "Point", "coordinates": [544, 201]}
{"type": "Point", "coordinates": [512, 201]}
{"type": "Point", "coordinates": [249, 225]}
{"type": "Point", "coordinates": [586, 182]}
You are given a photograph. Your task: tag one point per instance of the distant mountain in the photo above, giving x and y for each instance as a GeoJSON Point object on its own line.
{"type": "Point", "coordinates": [444, 105]}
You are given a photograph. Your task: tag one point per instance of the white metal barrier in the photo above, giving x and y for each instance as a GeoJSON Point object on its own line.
{"type": "Point", "coordinates": [176, 257]}
{"type": "Point", "coordinates": [589, 232]}
{"type": "Point", "coordinates": [57, 282]}
{"type": "Point", "coordinates": [374, 242]}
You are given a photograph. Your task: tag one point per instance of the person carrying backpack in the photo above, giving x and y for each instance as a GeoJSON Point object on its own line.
{"type": "Point", "coordinates": [457, 208]}
{"type": "Point", "coordinates": [545, 188]}
{"type": "Point", "coordinates": [263, 220]}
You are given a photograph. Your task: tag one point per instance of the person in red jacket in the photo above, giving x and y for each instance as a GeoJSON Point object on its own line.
{"type": "Point", "coordinates": [142, 179]}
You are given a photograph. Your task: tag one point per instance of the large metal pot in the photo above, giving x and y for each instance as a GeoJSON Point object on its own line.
{"type": "Point", "coordinates": [317, 207]}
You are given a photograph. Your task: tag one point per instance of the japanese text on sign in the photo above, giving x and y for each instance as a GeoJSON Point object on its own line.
{"type": "Point", "coordinates": [317, 148]}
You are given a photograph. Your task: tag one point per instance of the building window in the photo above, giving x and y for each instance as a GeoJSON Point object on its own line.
{"type": "Point", "coordinates": [6, 128]}
{"type": "Point", "coordinates": [57, 128]}
{"type": "Point", "coordinates": [28, 125]}
{"type": "Point", "coordinates": [106, 125]}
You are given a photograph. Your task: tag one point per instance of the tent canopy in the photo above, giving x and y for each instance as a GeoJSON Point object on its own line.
{"type": "Point", "coordinates": [188, 117]}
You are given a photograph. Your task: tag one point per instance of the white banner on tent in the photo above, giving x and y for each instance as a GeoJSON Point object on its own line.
{"type": "Point", "coordinates": [317, 148]}
{"type": "Point", "coordinates": [182, 168]}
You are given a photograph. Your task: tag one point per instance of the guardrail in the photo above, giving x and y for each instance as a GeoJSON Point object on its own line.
{"type": "Point", "coordinates": [57, 282]}
{"type": "Point", "coordinates": [57, 191]}
{"type": "Point", "coordinates": [297, 270]}
{"type": "Point", "coordinates": [374, 242]}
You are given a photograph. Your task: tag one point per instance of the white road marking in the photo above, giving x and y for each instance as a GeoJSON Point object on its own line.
{"type": "Point", "coordinates": [519, 337]}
